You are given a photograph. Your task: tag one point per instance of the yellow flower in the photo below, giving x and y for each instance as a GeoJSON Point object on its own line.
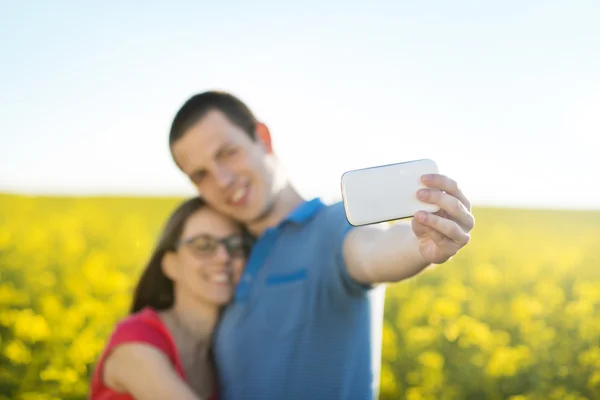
{"type": "Point", "coordinates": [594, 381]}
{"type": "Point", "coordinates": [507, 361]}
{"type": "Point", "coordinates": [432, 360]}
{"type": "Point", "coordinates": [419, 337]}
{"type": "Point", "coordinates": [389, 343]}
{"type": "Point", "coordinates": [446, 308]}
{"type": "Point", "coordinates": [30, 327]}
{"type": "Point", "coordinates": [389, 386]}
{"type": "Point", "coordinates": [17, 352]}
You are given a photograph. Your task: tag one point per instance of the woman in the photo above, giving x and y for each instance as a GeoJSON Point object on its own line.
{"type": "Point", "coordinates": [162, 349]}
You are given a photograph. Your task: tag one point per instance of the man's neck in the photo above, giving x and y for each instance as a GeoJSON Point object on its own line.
{"type": "Point", "coordinates": [283, 204]}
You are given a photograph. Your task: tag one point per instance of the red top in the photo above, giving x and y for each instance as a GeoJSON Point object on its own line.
{"type": "Point", "coordinates": [146, 327]}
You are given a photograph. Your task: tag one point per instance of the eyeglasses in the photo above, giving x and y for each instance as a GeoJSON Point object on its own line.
{"type": "Point", "coordinates": [206, 246]}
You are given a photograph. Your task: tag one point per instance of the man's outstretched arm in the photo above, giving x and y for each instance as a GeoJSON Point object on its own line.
{"type": "Point", "coordinates": [377, 255]}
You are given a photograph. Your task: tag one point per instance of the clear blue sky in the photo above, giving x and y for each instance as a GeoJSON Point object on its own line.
{"type": "Point", "coordinates": [505, 96]}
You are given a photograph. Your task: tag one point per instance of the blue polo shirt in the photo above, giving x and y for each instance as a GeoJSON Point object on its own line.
{"type": "Point", "coordinates": [299, 326]}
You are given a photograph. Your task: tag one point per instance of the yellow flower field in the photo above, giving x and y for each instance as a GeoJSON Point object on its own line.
{"type": "Point", "coordinates": [515, 316]}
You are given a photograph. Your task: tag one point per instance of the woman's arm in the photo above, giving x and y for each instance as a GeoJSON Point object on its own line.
{"type": "Point", "coordinates": [145, 373]}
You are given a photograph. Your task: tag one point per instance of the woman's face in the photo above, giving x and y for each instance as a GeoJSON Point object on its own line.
{"type": "Point", "coordinates": [209, 259]}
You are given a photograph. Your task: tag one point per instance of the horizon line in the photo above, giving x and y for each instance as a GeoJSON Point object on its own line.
{"type": "Point", "coordinates": [326, 198]}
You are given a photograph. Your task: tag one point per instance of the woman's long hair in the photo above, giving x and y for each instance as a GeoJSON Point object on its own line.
{"type": "Point", "coordinates": [154, 288]}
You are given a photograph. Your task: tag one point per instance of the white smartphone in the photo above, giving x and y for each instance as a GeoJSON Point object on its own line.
{"type": "Point", "coordinates": [385, 193]}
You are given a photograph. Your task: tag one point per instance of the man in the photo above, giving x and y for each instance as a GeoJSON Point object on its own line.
{"type": "Point", "coordinates": [305, 321]}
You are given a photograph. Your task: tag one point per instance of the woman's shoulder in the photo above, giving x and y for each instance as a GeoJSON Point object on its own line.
{"type": "Point", "coordinates": [146, 315]}
{"type": "Point", "coordinates": [143, 327]}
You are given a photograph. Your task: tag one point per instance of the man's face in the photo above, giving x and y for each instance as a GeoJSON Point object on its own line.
{"type": "Point", "coordinates": [230, 170]}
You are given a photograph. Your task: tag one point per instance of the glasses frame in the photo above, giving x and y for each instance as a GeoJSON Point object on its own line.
{"type": "Point", "coordinates": [231, 250]}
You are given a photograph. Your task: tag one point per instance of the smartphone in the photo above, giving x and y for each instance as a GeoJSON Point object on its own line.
{"type": "Point", "coordinates": [385, 193]}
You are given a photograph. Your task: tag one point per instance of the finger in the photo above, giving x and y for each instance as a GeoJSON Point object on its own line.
{"type": "Point", "coordinates": [424, 230]}
{"type": "Point", "coordinates": [442, 182]}
{"type": "Point", "coordinates": [445, 245]}
{"type": "Point", "coordinates": [446, 227]}
{"type": "Point", "coordinates": [455, 209]}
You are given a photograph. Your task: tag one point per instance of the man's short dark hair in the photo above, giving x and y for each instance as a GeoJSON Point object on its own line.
{"type": "Point", "coordinates": [197, 106]}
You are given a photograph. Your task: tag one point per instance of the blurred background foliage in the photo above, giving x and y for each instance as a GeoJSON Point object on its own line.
{"type": "Point", "coordinates": [516, 315]}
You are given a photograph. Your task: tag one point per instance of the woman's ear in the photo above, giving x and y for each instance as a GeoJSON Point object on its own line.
{"type": "Point", "coordinates": [169, 265]}
{"type": "Point", "coordinates": [264, 136]}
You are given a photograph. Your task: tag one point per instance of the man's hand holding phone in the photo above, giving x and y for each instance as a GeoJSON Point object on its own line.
{"type": "Point", "coordinates": [441, 234]}
{"type": "Point", "coordinates": [440, 212]}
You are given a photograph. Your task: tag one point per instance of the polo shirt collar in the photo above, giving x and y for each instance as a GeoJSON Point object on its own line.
{"type": "Point", "coordinates": [305, 211]}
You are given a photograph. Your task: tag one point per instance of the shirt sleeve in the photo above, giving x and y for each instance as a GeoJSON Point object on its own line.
{"type": "Point", "coordinates": [137, 330]}
{"type": "Point", "coordinates": [337, 227]}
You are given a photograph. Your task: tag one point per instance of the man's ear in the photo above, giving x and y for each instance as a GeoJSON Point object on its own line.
{"type": "Point", "coordinates": [264, 136]}
{"type": "Point", "coordinates": [169, 265]}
